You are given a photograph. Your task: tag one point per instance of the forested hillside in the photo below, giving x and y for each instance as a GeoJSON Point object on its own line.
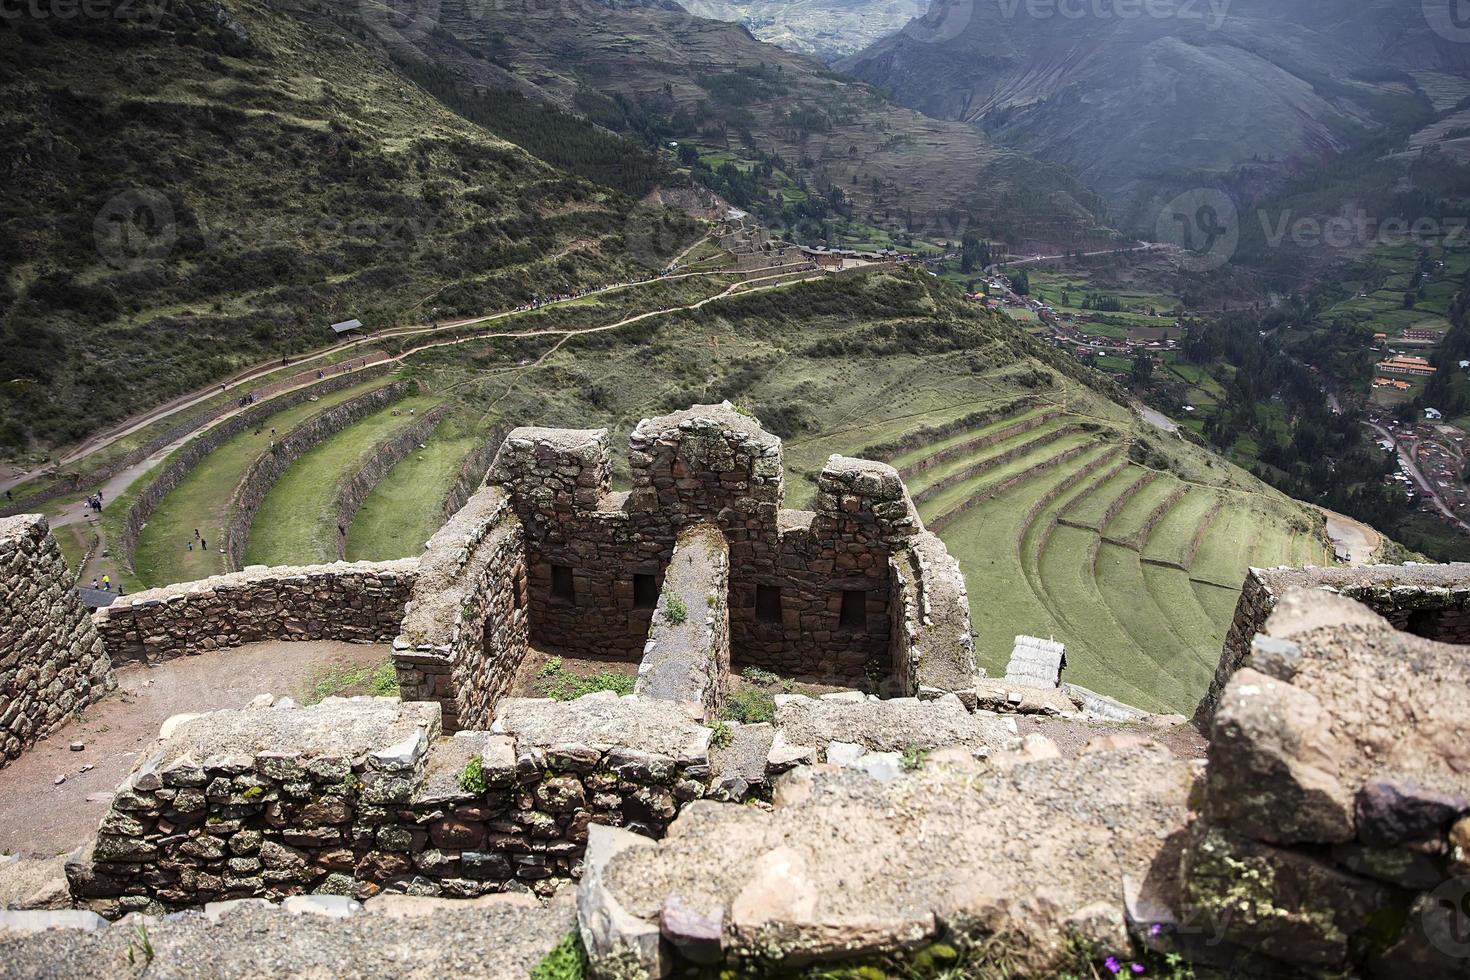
{"type": "Point", "coordinates": [200, 185]}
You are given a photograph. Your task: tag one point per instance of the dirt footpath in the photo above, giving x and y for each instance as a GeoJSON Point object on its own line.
{"type": "Point", "coordinates": [39, 818]}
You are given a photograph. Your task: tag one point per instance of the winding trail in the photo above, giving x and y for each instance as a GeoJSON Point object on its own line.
{"type": "Point", "coordinates": [106, 437]}
{"type": "Point", "coordinates": [75, 510]}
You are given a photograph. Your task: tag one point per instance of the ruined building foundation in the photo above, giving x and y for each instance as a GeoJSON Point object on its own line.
{"type": "Point", "coordinates": [1323, 832]}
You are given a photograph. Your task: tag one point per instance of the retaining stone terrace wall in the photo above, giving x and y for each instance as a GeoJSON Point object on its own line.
{"type": "Point", "coordinates": [182, 463]}
{"type": "Point", "coordinates": [360, 796]}
{"type": "Point", "coordinates": [992, 462]}
{"type": "Point", "coordinates": [1139, 538]}
{"type": "Point", "coordinates": [354, 489]}
{"type": "Point", "coordinates": [472, 472]}
{"type": "Point", "coordinates": [1334, 825]}
{"type": "Point", "coordinates": [924, 437]}
{"type": "Point", "coordinates": [268, 468]}
{"type": "Point", "coordinates": [709, 463]}
{"type": "Point", "coordinates": [1010, 483]}
{"type": "Point", "coordinates": [361, 602]}
{"type": "Point", "coordinates": [1432, 601]}
{"type": "Point", "coordinates": [52, 662]}
{"type": "Point", "coordinates": [465, 631]}
{"type": "Point", "coordinates": [979, 443]}
{"type": "Point", "coordinates": [687, 657]}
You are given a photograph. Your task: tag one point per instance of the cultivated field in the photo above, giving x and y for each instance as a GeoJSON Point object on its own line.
{"type": "Point", "coordinates": [1070, 516]}
{"type": "Point", "coordinates": [1062, 535]}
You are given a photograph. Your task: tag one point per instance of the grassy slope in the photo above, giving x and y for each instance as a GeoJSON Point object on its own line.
{"type": "Point", "coordinates": [202, 499]}
{"type": "Point", "coordinates": [189, 199]}
{"type": "Point", "coordinates": [711, 83]}
{"type": "Point", "coordinates": [296, 523]}
{"type": "Point", "coordinates": [404, 510]}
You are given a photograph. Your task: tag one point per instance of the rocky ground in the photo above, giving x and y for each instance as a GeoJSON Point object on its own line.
{"type": "Point", "coordinates": [321, 936]}
{"type": "Point", "coordinates": [52, 798]}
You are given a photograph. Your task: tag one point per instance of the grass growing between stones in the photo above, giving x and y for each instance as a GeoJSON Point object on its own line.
{"type": "Point", "coordinates": [566, 961]}
{"type": "Point", "coordinates": [404, 510]}
{"type": "Point", "coordinates": [297, 522]}
{"type": "Point", "coordinates": [340, 682]}
{"type": "Point", "coordinates": [560, 684]}
{"type": "Point", "coordinates": [202, 499]}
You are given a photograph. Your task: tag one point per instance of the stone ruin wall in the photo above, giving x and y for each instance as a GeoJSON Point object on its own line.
{"type": "Point", "coordinates": [354, 489]}
{"type": "Point", "coordinates": [357, 796]}
{"type": "Point", "coordinates": [1333, 831]}
{"type": "Point", "coordinates": [181, 463]}
{"type": "Point", "coordinates": [789, 569]}
{"type": "Point", "coordinates": [1432, 601]}
{"type": "Point", "coordinates": [52, 662]}
{"type": "Point", "coordinates": [361, 603]}
{"type": "Point", "coordinates": [271, 465]}
{"type": "Point", "coordinates": [466, 626]}
{"type": "Point", "coordinates": [687, 657]}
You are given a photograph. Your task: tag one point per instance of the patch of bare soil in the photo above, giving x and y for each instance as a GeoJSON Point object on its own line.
{"type": "Point", "coordinates": [1183, 741]}
{"type": "Point", "coordinates": [40, 817]}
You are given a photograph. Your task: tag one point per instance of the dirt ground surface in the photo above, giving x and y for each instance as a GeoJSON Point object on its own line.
{"type": "Point", "coordinates": [1183, 741]}
{"type": "Point", "coordinates": [41, 818]}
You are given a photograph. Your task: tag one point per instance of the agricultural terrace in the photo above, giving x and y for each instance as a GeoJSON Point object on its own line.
{"type": "Point", "coordinates": [1029, 472]}
{"type": "Point", "coordinates": [1372, 293]}
{"type": "Point", "coordinates": [1062, 534]}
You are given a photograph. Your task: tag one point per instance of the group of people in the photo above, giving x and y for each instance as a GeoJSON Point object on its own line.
{"type": "Point", "coordinates": [106, 584]}
{"type": "Point", "coordinates": [94, 502]}
{"type": "Point", "coordinates": [203, 544]}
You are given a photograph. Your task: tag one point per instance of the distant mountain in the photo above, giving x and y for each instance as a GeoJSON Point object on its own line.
{"type": "Point", "coordinates": [201, 185]}
{"type": "Point", "coordinates": [1243, 94]}
{"type": "Point", "coordinates": [668, 77]}
{"type": "Point", "coordinates": [826, 29]}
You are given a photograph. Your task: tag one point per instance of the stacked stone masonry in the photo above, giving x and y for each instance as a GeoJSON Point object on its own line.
{"type": "Point", "coordinates": [1432, 601]}
{"type": "Point", "coordinates": [362, 795]}
{"type": "Point", "coordinates": [268, 468]}
{"type": "Point", "coordinates": [687, 657]}
{"type": "Point", "coordinates": [182, 462]}
{"type": "Point", "coordinates": [809, 591]}
{"type": "Point", "coordinates": [1334, 832]}
{"type": "Point", "coordinates": [361, 602]}
{"type": "Point", "coordinates": [355, 488]}
{"type": "Point", "coordinates": [52, 662]}
{"type": "Point", "coordinates": [465, 630]}
{"type": "Point", "coordinates": [357, 796]}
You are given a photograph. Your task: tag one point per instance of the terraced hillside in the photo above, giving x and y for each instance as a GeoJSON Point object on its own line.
{"type": "Point", "coordinates": [1070, 516]}
{"type": "Point", "coordinates": [1062, 534]}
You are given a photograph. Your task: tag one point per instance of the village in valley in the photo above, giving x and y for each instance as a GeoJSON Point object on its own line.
{"type": "Point", "coordinates": [1136, 335]}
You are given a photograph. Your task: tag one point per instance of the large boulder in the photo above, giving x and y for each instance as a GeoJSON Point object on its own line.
{"type": "Point", "coordinates": [1274, 765]}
